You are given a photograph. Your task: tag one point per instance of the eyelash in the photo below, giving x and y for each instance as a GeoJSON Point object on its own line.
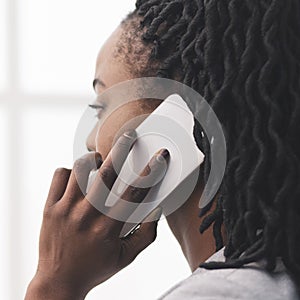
{"type": "Point", "coordinates": [98, 109]}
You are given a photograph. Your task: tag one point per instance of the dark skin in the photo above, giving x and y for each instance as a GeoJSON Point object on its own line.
{"type": "Point", "coordinates": [74, 231]}
{"type": "Point", "coordinates": [79, 246]}
{"type": "Point", "coordinates": [184, 222]}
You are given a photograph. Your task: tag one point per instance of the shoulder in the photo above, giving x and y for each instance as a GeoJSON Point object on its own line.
{"type": "Point", "coordinates": [248, 283]}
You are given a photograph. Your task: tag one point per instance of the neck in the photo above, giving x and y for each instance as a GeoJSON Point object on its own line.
{"type": "Point", "coordinates": [185, 223]}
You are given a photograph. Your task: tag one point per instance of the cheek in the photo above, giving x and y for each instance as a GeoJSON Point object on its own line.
{"type": "Point", "coordinates": [114, 126]}
{"type": "Point", "coordinates": [127, 117]}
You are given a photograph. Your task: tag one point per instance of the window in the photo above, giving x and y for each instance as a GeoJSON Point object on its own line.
{"type": "Point", "coordinates": [3, 44]}
{"type": "Point", "coordinates": [47, 55]}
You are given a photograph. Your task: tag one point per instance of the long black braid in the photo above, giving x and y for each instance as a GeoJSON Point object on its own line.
{"type": "Point", "coordinates": [243, 56]}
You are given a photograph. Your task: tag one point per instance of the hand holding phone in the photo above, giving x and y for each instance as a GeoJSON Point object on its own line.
{"type": "Point", "coordinates": [80, 247]}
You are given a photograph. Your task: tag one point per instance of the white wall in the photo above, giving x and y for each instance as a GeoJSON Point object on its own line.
{"type": "Point", "coordinates": [47, 56]}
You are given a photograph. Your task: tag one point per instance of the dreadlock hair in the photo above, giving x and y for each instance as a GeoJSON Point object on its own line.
{"type": "Point", "coordinates": [243, 57]}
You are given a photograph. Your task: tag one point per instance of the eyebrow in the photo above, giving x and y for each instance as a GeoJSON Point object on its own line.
{"type": "Point", "coordinates": [98, 82]}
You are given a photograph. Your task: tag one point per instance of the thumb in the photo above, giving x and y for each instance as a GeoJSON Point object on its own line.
{"type": "Point", "coordinates": [135, 243]}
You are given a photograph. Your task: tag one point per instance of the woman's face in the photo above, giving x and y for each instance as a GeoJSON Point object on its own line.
{"type": "Point", "coordinates": [110, 71]}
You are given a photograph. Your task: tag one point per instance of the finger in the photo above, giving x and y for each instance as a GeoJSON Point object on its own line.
{"type": "Point", "coordinates": [135, 243]}
{"type": "Point", "coordinates": [110, 169]}
{"type": "Point", "coordinates": [58, 186]}
{"type": "Point", "coordinates": [152, 174]}
{"type": "Point", "coordinates": [76, 187]}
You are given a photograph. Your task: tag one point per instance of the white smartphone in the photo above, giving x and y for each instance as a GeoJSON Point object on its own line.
{"type": "Point", "coordinates": [169, 126]}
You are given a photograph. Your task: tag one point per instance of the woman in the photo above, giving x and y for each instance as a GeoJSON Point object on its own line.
{"type": "Point", "coordinates": [244, 58]}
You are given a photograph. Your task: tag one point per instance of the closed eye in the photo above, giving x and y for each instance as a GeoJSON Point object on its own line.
{"type": "Point", "coordinates": [98, 108]}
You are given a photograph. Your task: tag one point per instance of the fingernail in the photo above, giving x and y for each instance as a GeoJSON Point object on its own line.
{"type": "Point", "coordinates": [154, 215]}
{"type": "Point", "coordinates": [163, 155]}
{"type": "Point", "coordinates": [130, 134]}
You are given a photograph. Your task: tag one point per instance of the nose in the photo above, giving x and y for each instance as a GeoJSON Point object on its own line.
{"type": "Point", "coordinates": [90, 147]}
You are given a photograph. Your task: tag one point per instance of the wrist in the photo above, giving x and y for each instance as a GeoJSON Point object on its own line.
{"type": "Point", "coordinates": [48, 288]}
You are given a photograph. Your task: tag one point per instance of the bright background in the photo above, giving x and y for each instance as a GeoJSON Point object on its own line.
{"type": "Point", "coordinates": [47, 56]}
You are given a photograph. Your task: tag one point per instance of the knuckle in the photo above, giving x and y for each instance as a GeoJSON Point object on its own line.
{"type": "Point", "coordinates": [61, 211]}
{"type": "Point", "coordinates": [61, 171]}
{"type": "Point", "coordinates": [80, 219]}
{"type": "Point", "coordinates": [101, 228]}
{"type": "Point", "coordinates": [46, 213]}
{"type": "Point", "coordinates": [106, 172]}
{"type": "Point", "coordinates": [135, 192]}
{"type": "Point", "coordinates": [124, 141]}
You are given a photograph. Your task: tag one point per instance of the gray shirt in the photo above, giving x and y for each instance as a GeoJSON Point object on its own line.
{"type": "Point", "coordinates": [251, 283]}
